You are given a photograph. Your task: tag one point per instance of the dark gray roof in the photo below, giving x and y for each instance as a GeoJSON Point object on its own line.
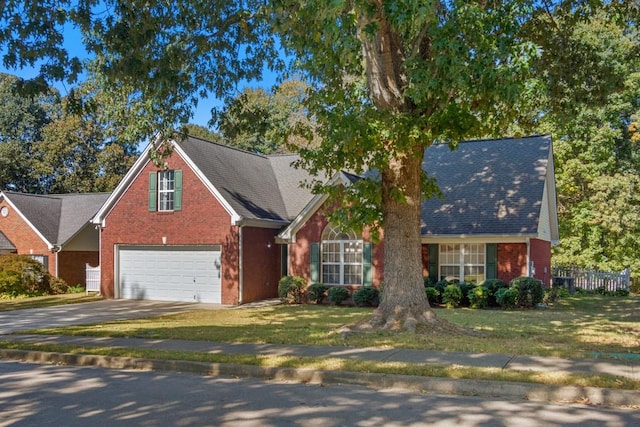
{"type": "Point", "coordinates": [256, 186]}
{"type": "Point", "coordinates": [58, 217]}
{"type": "Point", "coordinates": [489, 186]}
{"type": "Point", "coordinates": [5, 243]}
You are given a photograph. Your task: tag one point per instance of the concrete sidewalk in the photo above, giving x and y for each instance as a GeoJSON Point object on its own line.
{"type": "Point", "coordinates": [620, 368]}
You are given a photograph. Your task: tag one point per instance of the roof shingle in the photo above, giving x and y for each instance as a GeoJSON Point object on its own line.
{"type": "Point", "coordinates": [489, 187]}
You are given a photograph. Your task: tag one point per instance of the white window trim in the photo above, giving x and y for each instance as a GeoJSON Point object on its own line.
{"type": "Point", "coordinates": [331, 231]}
{"type": "Point", "coordinates": [463, 253]}
{"type": "Point", "coordinates": [170, 192]}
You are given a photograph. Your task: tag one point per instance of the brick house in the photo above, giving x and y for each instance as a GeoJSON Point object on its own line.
{"type": "Point", "coordinates": [217, 224]}
{"type": "Point", "coordinates": [497, 218]}
{"type": "Point", "coordinates": [53, 229]}
{"type": "Point", "coordinates": [201, 227]}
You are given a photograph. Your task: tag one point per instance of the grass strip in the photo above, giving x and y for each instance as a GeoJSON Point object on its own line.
{"type": "Point", "coordinates": [326, 364]}
{"type": "Point", "coordinates": [10, 304]}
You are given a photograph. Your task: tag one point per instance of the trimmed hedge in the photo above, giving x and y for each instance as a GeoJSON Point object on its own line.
{"type": "Point", "coordinates": [291, 289]}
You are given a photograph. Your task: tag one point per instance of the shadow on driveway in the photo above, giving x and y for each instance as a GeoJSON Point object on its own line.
{"type": "Point", "coordinates": [92, 312]}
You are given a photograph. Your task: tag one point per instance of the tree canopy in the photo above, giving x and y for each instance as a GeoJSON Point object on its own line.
{"type": "Point", "coordinates": [389, 79]}
{"type": "Point", "coordinates": [48, 147]}
{"type": "Point", "coordinates": [262, 122]}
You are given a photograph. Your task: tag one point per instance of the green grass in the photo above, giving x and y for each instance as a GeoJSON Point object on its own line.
{"type": "Point", "coordinates": [45, 301]}
{"type": "Point", "coordinates": [575, 327]}
{"type": "Point", "coordinates": [415, 369]}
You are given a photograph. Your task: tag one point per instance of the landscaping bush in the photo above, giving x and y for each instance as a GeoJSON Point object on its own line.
{"type": "Point", "coordinates": [22, 275]}
{"type": "Point", "coordinates": [452, 296]}
{"type": "Point", "coordinates": [316, 292]}
{"type": "Point", "coordinates": [530, 291]}
{"type": "Point", "coordinates": [479, 297]}
{"type": "Point", "coordinates": [507, 297]}
{"type": "Point", "coordinates": [77, 289]}
{"type": "Point", "coordinates": [291, 289]}
{"type": "Point", "coordinates": [493, 286]}
{"type": "Point", "coordinates": [466, 288]}
{"type": "Point", "coordinates": [338, 294]}
{"type": "Point", "coordinates": [432, 295]}
{"type": "Point", "coordinates": [440, 285]}
{"type": "Point", "coordinates": [366, 297]}
{"type": "Point", "coordinates": [428, 283]}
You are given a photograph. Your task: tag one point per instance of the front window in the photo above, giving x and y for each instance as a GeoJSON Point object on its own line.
{"type": "Point", "coordinates": [341, 257]}
{"type": "Point", "coordinates": [166, 188]}
{"type": "Point", "coordinates": [462, 263]}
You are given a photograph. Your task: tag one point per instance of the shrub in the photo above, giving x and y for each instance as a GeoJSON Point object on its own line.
{"type": "Point", "coordinates": [440, 285]}
{"type": "Point", "coordinates": [337, 294]}
{"type": "Point", "coordinates": [432, 295]}
{"type": "Point", "coordinates": [290, 289]}
{"type": "Point", "coordinates": [428, 283]}
{"type": "Point", "coordinates": [22, 275]}
{"type": "Point", "coordinates": [530, 291]}
{"type": "Point", "coordinates": [635, 285]}
{"type": "Point", "coordinates": [493, 286]}
{"type": "Point", "coordinates": [316, 292]}
{"type": "Point", "coordinates": [77, 289]}
{"type": "Point", "coordinates": [466, 288]}
{"type": "Point", "coordinates": [479, 297]}
{"type": "Point", "coordinates": [507, 297]}
{"type": "Point", "coordinates": [366, 297]}
{"type": "Point", "coordinates": [452, 296]}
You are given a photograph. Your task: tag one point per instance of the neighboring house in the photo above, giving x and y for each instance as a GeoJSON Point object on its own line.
{"type": "Point", "coordinates": [53, 229]}
{"type": "Point", "coordinates": [497, 219]}
{"type": "Point", "coordinates": [217, 224]}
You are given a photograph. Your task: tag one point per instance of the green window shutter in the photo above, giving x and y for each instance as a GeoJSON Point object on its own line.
{"type": "Point", "coordinates": [315, 263]}
{"type": "Point", "coordinates": [153, 191]}
{"type": "Point", "coordinates": [177, 190]}
{"type": "Point", "coordinates": [433, 262]}
{"type": "Point", "coordinates": [491, 261]}
{"type": "Point", "coordinates": [367, 268]}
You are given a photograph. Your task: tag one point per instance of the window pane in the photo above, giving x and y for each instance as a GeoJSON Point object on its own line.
{"type": "Point", "coordinates": [166, 185]}
{"type": "Point", "coordinates": [353, 274]}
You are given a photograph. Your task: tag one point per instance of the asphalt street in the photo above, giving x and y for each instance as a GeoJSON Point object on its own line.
{"type": "Point", "coordinates": [43, 395]}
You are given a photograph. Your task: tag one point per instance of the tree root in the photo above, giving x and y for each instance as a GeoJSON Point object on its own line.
{"type": "Point", "coordinates": [401, 319]}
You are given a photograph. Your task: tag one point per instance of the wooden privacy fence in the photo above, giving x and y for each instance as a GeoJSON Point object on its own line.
{"type": "Point", "coordinates": [92, 278]}
{"type": "Point", "coordinates": [591, 280]}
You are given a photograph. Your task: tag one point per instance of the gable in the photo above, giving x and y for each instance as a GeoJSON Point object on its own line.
{"type": "Point", "coordinates": [494, 187]}
{"type": "Point", "coordinates": [491, 188]}
{"type": "Point", "coordinates": [244, 183]}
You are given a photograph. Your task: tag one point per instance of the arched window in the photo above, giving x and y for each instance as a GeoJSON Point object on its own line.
{"type": "Point", "coordinates": [341, 257]}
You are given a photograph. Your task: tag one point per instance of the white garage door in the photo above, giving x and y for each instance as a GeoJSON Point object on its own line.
{"type": "Point", "coordinates": [170, 273]}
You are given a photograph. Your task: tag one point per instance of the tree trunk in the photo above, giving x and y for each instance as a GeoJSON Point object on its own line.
{"type": "Point", "coordinates": [404, 302]}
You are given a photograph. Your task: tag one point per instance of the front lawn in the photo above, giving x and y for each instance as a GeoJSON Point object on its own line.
{"type": "Point", "coordinates": [9, 304]}
{"type": "Point", "coordinates": [582, 326]}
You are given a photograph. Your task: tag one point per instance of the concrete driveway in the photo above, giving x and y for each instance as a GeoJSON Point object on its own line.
{"type": "Point", "coordinates": [91, 312]}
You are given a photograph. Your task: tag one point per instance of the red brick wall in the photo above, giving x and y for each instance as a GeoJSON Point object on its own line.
{"type": "Point", "coordinates": [260, 264]}
{"type": "Point", "coordinates": [23, 237]}
{"type": "Point", "coordinates": [202, 221]}
{"type": "Point", "coordinates": [512, 260]}
{"type": "Point", "coordinates": [72, 265]}
{"type": "Point", "coordinates": [540, 252]}
{"type": "Point", "coordinates": [311, 232]}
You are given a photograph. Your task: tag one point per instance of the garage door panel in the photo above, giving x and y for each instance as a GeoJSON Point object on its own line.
{"type": "Point", "coordinates": [170, 273]}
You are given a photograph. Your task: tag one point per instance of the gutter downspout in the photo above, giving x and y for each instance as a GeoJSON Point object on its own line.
{"type": "Point", "coordinates": [240, 270]}
{"type": "Point", "coordinates": [56, 249]}
{"type": "Point", "coordinates": [529, 257]}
